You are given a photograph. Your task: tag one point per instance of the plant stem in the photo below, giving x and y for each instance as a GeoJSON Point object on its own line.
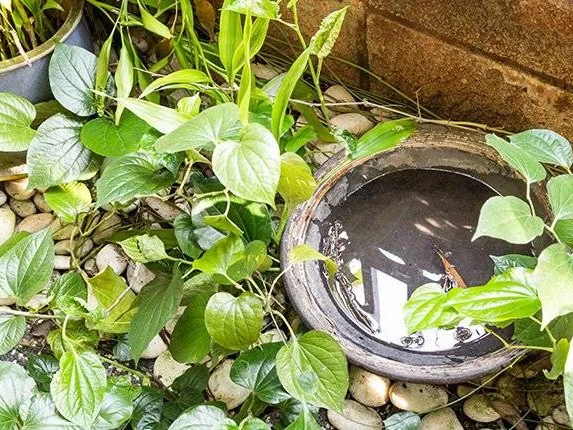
{"type": "Point", "coordinates": [144, 377]}
{"type": "Point", "coordinates": [10, 311]}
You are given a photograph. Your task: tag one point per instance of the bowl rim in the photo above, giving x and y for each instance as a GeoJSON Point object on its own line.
{"type": "Point", "coordinates": [74, 15]}
{"type": "Point", "coordinates": [310, 311]}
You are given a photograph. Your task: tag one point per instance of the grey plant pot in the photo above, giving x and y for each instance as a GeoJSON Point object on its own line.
{"type": "Point", "coordinates": [30, 78]}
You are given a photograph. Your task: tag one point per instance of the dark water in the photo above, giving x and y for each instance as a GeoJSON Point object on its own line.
{"type": "Point", "coordinates": [385, 238]}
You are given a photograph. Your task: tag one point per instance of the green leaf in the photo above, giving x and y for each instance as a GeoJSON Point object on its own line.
{"type": "Point", "coordinates": [39, 413]}
{"type": "Point", "coordinates": [285, 91]}
{"type": "Point", "coordinates": [384, 136]}
{"type": "Point", "coordinates": [72, 74]}
{"type": "Point", "coordinates": [234, 322]}
{"type": "Point", "coordinates": [510, 219]}
{"type": "Point", "coordinates": [159, 117]}
{"type": "Point", "coordinates": [560, 193]}
{"type": "Point", "coordinates": [42, 368]}
{"type": "Point", "coordinates": [255, 424]}
{"type": "Point", "coordinates": [78, 388]}
{"type": "Point", "coordinates": [300, 138]}
{"type": "Point", "coordinates": [256, 370]}
{"type": "Point", "coordinates": [529, 167]}
{"type": "Point", "coordinates": [102, 69]}
{"type": "Point", "coordinates": [77, 336]}
{"type": "Point", "coordinates": [545, 146]}
{"type": "Point", "coordinates": [194, 379]}
{"type": "Point", "coordinates": [303, 253]}
{"type": "Point", "coordinates": [529, 331]}
{"type": "Point", "coordinates": [147, 409]}
{"type": "Point", "coordinates": [16, 388]}
{"type": "Point", "coordinates": [553, 278]}
{"type": "Point", "coordinates": [185, 78]}
{"type": "Point", "coordinates": [131, 176]}
{"type": "Point", "coordinates": [26, 266]}
{"type": "Point", "coordinates": [263, 8]}
{"type": "Point", "coordinates": [230, 37]}
{"type": "Point", "coordinates": [144, 249]}
{"type": "Point", "coordinates": [250, 168]}
{"type": "Point", "coordinates": [296, 184]}
{"type": "Point", "coordinates": [202, 417]}
{"type": "Point", "coordinates": [252, 258]}
{"type": "Point", "coordinates": [504, 262]}
{"type": "Point", "coordinates": [157, 304]}
{"type": "Point", "coordinates": [313, 369]}
{"type": "Point", "coordinates": [107, 287]}
{"type": "Point", "coordinates": [69, 200]}
{"type": "Point", "coordinates": [222, 223]}
{"type": "Point", "coordinates": [568, 384]}
{"type": "Point", "coordinates": [123, 78]}
{"type": "Point", "coordinates": [117, 405]}
{"type": "Point", "coordinates": [428, 308]}
{"type": "Point", "coordinates": [16, 116]}
{"type": "Point", "coordinates": [324, 39]}
{"type": "Point", "coordinates": [186, 237]}
{"type": "Point", "coordinates": [205, 130]}
{"type": "Point", "coordinates": [104, 137]}
{"type": "Point", "coordinates": [304, 421]}
{"type": "Point", "coordinates": [65, 292]}
{"type": "Point", "coordinates": [222, 255]}
{"type": "Point", "coordinates": [558, 359]}
{"type": "Point", "coordinates": [505, 298]}
{"type": "Point", "coordinates": [56, 154]}
{"type": "Point", "coordinates": [12, 330]}
{"type": "Point", "coordinates": [403, 421]}
{"type": "Point", "coordinates": [564, 231]}
{"type": "Point", "coordinates": [153, 24]}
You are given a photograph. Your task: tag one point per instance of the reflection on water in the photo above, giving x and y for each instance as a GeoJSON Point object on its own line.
{"type": "Point", "coordinates": [385, 240]}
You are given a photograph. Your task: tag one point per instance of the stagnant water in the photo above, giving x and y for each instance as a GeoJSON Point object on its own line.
{"type": "Point", "coordinates": [386, 239]}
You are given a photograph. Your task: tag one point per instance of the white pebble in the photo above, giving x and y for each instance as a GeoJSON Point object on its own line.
{"type": "Point", "coordinates": [477, 408]}
{"type": "Point", "coordinates": [442, 419]}
{"type": "Point", "coordinates": [367, 388]}
{"type": "Point", "coordinates": [138, 276]}
{"type": "Point", "coordinates": [225, 390]}
{"type": "Point", "coordinates": [419, 398]}
{"type": "Point", "coordinates": [155, 348]}
{"type": "Point", "coordinates": [167, 369]}
{"type": "Point", "coordinates": [35, 223]}
{"type": "Point", "coordinates": [41, 203]}
{"type": "Point", "coordinates": [166, 210]}
{"type": "Point", "coordinates": [3, 197]}
{"type": "Point", "coordinates": [7, 224]}
{"type": "Point", "coordinates": [107, 227]}
{"type": "Point", "coordinates": [355, 123]}
{"type": "Point", "coordinates": [111, 255]}
{"type": "Point", "coordinates": [62, 262]}
{"type": "Point", "coordinates": [354, 416]}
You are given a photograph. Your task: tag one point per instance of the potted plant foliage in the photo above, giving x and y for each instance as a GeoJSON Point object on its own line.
{"type": "Point", "coordinates": [29, 32]}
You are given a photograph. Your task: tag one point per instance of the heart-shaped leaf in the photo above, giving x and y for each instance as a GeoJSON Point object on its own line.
{"type": "Point", "coordinates": [203, 131]}
{"type": "Point", "coordinates": [203, 417]}
{"type": "Point", "coordinates": [560, 193]}
{"type": "Point", "coordinates": [69, 200]}
{"type": "Point", "coordinates": [255, 370]}
{"type": "Point", "coordinates": [313, 369]}
{"type": "Point", "coordinates": [234, 322]}
{"type": "Point", "coordinates": [129, 177]}
{"type": "Point", "coordinates": [296, 183]}
{"type": "Point", "coordinates": [26, 266]}
{"type": "Point", "coordinates": [72, 73]}
{"type": "Point", "coordinates": [78, 388]}
{"type": "Point", "coordinates": [104, 137]}
{"type": "Point", "coordinates": [545, 146]}
{"type": "Point", "coordinates": [16, 388]}
{"type": "Point", "coordinates": [251, 167]}
{"type": "Point", "coordinates": [553, 278]}
{"type": "Point", "coordinates": [16, 116]}
{"type": "Point", "coordinates": [510, 219]}
{"type": "Point", "coordinates": [56, 155]}
{"type": "Point", "coordinates": [529, 167]}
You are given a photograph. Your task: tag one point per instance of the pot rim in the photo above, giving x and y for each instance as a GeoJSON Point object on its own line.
{"type": "Point", "coordinates": [309, 309]}
{"type": "Point", "coordinates": [73, 19]}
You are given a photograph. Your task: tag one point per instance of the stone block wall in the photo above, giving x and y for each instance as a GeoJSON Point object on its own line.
{"type": "Point", "coordinates": [506, 63]}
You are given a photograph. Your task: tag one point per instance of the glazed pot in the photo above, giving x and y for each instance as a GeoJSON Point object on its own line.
{"type": "Point", "coordinates": [30, 78]}
{"type": "Point", "coordinates": [429, 153]}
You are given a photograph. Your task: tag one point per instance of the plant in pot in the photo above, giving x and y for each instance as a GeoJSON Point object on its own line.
{"type": "Point", "coordinates": [30, 30]}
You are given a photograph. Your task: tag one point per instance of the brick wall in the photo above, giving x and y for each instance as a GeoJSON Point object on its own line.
{"type": "Point", "coordinates": [507, 63]}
